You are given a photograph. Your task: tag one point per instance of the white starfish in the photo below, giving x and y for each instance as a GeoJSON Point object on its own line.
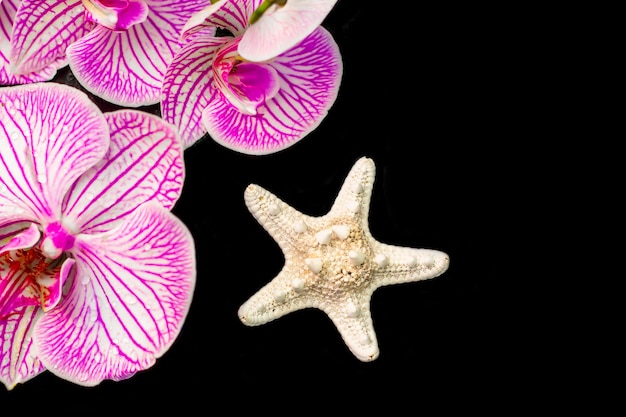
{"type": "Point", "coordinates": [332, 262]}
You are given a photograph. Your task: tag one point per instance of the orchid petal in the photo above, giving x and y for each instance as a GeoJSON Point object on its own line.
{"type": "Point", "coordinates": [281, 28]}
{"type": "Point", "coordinates": [127, 303]}
{"type": "Point", "coordinates": [8, 230]}
{"type": "Point", "coordinates": [18, 362]}
{"type": "Point", "coordinates": [126, 68]}
{"type": "Point", "coordinates": [24, 238]}
{"type": "Point", "coordinates": [50, 134]}
{"type": "Point", "coordinates": [311, 74]}
{"type": "Point", "coordinates": [227, 14]}
{"type": "Point", "coordinates": [55, 285]}
{"type": "Point", "coordinates": [195, 22]}
{"type": "Point", "coordinates": [42, 31]}
{"type": "Point", "coordinates": [7, 14]}
{"type": "Point", "coordinates": [144, 162]}
{"type": "Point", "coordinates": [187, 87]}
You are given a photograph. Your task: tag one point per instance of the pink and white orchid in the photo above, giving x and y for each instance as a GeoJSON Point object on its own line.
{"type": "Point", "coordinates": [7, 77]}
{"type": "Point", "coordinates": [96, 273]}
{"type": "Point", "coordinates": [117, 49]}
{"type": "Point", "coordinates": [251, 107]}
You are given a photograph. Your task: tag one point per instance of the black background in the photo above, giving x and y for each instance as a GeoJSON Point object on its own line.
{"type": "Point", "coordinates": [429, 95]}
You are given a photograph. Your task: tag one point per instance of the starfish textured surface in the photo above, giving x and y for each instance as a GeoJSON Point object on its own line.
{"type": "Point", "coordinates": [332, 262]}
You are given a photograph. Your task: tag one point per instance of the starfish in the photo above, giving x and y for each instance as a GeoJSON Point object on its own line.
{"type": "Point", "coordinates": [332, 262]}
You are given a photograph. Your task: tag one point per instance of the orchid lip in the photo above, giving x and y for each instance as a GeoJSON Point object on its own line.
{"type": "Point", "coordinates": [30, 278]}
{"type": "Point", "coordinates": [246, 85]}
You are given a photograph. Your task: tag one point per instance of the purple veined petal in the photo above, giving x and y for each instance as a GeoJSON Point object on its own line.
{"type": "Point", "coordinates": [281, 28]}
{"type": "Point", "coordinates": [42, 31]}
{"type": "Point", "coordinates": [127, 303]}
{"type": "Point", "coordinates": [109, 65]}
{"type": "Point", "coordinates": [21, 238]}
{"type": "Point", "coordinates": [18, 361]}
{"type": "Point", "coordinates": [171, 15]}
{"type": "Point", "coordinates": [116, 14]}
{"type": "Point", "coordinates": [227, 14]}
{"type": "Point", "coordinates": [197, 19]}
{"type": "Point", "coordinates": [9, 229]}
{"type": "Point", "coordinates": [187, 86]}
{"type": "Point", "coordinates": [127, 68]}
{"type": "Point", "coordinates": [7, 14]}
{"type": "Point", "coordinates": [311, 74]}
{"type": "Point", "coordinates": [50, 134]}
{"type": "Point", "coordinates": [144, 163]}
{"type": "Point", "coordinates": [55, 285]}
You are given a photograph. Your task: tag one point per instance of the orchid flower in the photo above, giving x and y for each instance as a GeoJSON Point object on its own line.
{"type": "Point", "coordinates": [7, 77]}
{"type": "Point", "coordinates": [250, 107]}
{"type": "Point", "coordinates": [96, 272]}
{"type": "Point", "coordinates": [118, 50]}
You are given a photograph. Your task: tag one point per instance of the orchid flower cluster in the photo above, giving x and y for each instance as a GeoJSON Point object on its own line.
{"type": "Point", "coordinates": [96, 272]}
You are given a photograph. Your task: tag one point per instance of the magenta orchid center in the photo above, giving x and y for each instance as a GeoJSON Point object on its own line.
{"type": "Point", "coordinates": [246, 85]}
{"type": "Point", "coordinates": [116, 14]}
{"type": "Point", "coordinates": [30, 277]}
{"type": "Point", "coordinates": [56, 240]}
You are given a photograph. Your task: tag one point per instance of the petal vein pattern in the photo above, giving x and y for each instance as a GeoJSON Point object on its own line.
{"type": "Point", "coordinates": [187, 86]}
{"type": "Point", "coordinates": [127, 304]}
{"type": "Point", "coordinates": [127, 67]}
{"type": "Point", "coordinates": [18, 363]}
{"type": "Point", "coordinates": [43, 30]}
{"type": "Point", "coordinates": [310, 78]}
{"type": "Point", "coordinates": [49, 137]}
{"type": "Point", "coordinates": [7, 77]}
{"type": "Point", "coordinates": [144, 162]}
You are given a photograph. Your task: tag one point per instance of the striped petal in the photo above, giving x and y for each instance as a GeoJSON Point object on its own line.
{"type": "Point", "coordinates": [280, 28]}
{"type": "Point", "coordinates": [127, 303]}
{"type": "Point", "coordinates": [144, 162]}
{"type": "Point", "coordinates": [18, 362]}
{"type": "Point", "coordinates": [311, 73]}
{"type": "Point", "coordinates": [50, 134]}
{"type": "Point", "coordinates": [7, 14]}
{"type": "Point", "coordinates": [187, 87]}
{"type": "Point", "coordinates": [227, 14]}
{"type": "Point", "coordinates": [42, 31]}
{"type": "Point", "coordinates": [127, 68]}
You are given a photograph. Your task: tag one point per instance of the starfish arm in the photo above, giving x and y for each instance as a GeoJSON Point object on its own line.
{"type": "Point", "coordinates": [284, 223]}
{"type": "Point", "coordinates": [281, 296]}
{"type": "Point", "coordinates": [353, 320]}
{"type": "Point", "coordinates": [353, 199]}
{"type": "Point", "coordinates": [396, 265]}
